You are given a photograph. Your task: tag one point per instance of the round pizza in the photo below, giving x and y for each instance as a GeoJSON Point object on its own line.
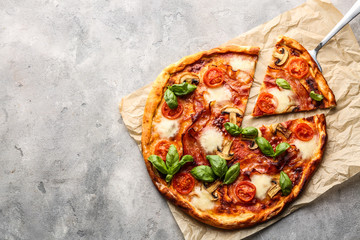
{"type": "Point", "coordinates": [200, 157]}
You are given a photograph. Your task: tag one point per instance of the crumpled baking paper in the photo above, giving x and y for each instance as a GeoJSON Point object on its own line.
{"type": "Point", "coordinates": [340, 60]}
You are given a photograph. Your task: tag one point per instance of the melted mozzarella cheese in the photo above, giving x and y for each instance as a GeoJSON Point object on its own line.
{"type": "Point", "coordinates": [202, 199]}
{"type": "Point", "coordinates": [307, 149]}
{"type": "Point", "coordinates": [286, 98]}
{"type": "Point", "coordinates": [237, 63]}
{"type": "Point", "coordinates": [211, 139]}
{"type": "Point", "coordinates": [262, 183]}
{"type": "Point", "coordinates": [217, 94]}
{"type": "Point", "coordinates": [167, 128]}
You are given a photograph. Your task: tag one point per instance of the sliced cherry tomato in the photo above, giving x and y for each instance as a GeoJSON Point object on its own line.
{"type": "Point", "coordinates": [172, 113]}
{"type": "Point", "coordinates": [298, 67]}
{"type": "Point", "coordinates": [162, 148]}
{"type": "Point", "coordinates": [245, 191]}
{"type": "Point", "coordinates": [183, 182]}
{"type": "Point", "coordinates": [214, 77]}
{"type": "Point", "coordinates": [304, 132]}
{"type": "Point", "coordinates": [267, 103]}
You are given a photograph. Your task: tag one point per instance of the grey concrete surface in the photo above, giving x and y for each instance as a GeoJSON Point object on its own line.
{"type": "Point", "coordinates": [68, 168]}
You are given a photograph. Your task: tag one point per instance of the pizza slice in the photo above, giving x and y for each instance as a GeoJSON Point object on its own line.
{"type": "Point", "coordinates": [292, 83]}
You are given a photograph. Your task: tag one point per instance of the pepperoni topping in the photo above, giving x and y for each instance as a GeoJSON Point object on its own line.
{"type": "Point", "coordinates": [304, 132]}
{"type": "Point", "coordinates": [183, 183]}
{"type": "Point", "coordinates": [191, 146]}
{"type": "Point", "coordinates": [162, 148]}
{"type": "Point", "coordinates": [298, 67]}
{"type": "Point", "coordinates": [171, 113]}
{"type": "Point", "coordinates": [213, 77]}
{"type": "Point", "coordinates": [267, 103]}
{"type": "Point", "coordinates": [190, 140]}
{"type": "Point", "coordinates": [245, 191]}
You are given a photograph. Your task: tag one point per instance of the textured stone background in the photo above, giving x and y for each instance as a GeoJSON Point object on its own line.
{"type": "Point", "coordinates": [69, 169]}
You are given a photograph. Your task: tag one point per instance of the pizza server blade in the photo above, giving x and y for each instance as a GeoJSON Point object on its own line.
{"type": "Point", "coordinates": [350, 15]}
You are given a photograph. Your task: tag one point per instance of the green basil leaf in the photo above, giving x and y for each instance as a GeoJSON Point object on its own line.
{"type": "Point", "coordinates": [203, 173]}
{"type": "Point", "coordinates": [285, 183]}
{"type": "Point", "coordinates": [174, 169]}
{"type": "Point", "coordinates": [283, 83]}
{"type": "Point", "coordinates": [316, 97]}
{"type": "Point", "coordinates": [232, 173]}
{"type": "Point", "coordinates": [233, 129]}
{"type": "Point", "coordinates": [265, 146]}
{"type": "Point", "coordinates": [177, 165]}
{"type": "Point", "coordinates": [250, 132]}
{"type": "Point", "coordinates": [218, 165]}
{"type": "Point", "coordinates": [186, 159]}
{"type": "Point", "coordinates": [182, 88]}
{"type": "Point", "coordinates": [172, 156]}
{"type": "Point", "coordinates": [281, 148]}
{"type": "Point", "coordinates": [170, 99]}
{"type": "Point", "coordinates": [168, 178]}
{"type": "Point", "coordinates": [158, 163]}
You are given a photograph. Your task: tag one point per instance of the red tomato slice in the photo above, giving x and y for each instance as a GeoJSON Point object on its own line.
{"type": "Point", "coordinates": [298, 67]}
{"type": "Point", "coordinates": [183, 182]}
{"type": "Point", "coordinates": [304, 132]}
{"type": "Point", "coordinates": [245, 191]}
{"type": "Point", "coordinates": [267, 103]}
{"type": "Point", "coordinates": [213, 77]}
{"type": "Point", "coordinates": [171, 113]}
{"type": "Point", "coordinates": [162, 148]}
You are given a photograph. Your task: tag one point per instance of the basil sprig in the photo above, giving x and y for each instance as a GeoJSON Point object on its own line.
{"type": "Point", "coordinates": [170, 99]}
{"type": "Point", "coordinates": [250, 132]}
{"type": "Point", "coordinates": [172, 156]}
{"type": "Point", "coordinates": [177, 90]}
{"type": "Point", "coordinates": [218, 165]}
{"type": "Point", "coordinates": [281, 148]}
{"type": "Point", "coordinates": [203, 173]}
{"type": "Point", "coordinates": [235, 130]}
{"type": "Point", "coordinates": [172, 165]}
{"type": "Point", "coordinates": [316, 97]}
{"type": "Point", "coordinates": [218, 169]}
{"type": "Point", "coordinates": [285, 183]}
{"type": "Point", "coordinates": [267, 149]}
{"type": "Point", "coordinates": [182, 88]}
{"type": "Point", "coordinates": [232, 173]}
{"type": "Point", "coordinates": [158, 163]}
{"type": "Point", "coordinates": [265, 146]}
{"type": "Point", "coordinates": [283, 83]}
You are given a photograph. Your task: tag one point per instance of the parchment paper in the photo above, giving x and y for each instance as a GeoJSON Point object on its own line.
{"type": "Point", "coordinates": [340, 59]}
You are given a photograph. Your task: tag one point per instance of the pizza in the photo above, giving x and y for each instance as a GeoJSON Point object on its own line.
{"type": "Point", "coordinates": [293, 82]}
{"type": "Point", "coordinates": [202, 160]}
